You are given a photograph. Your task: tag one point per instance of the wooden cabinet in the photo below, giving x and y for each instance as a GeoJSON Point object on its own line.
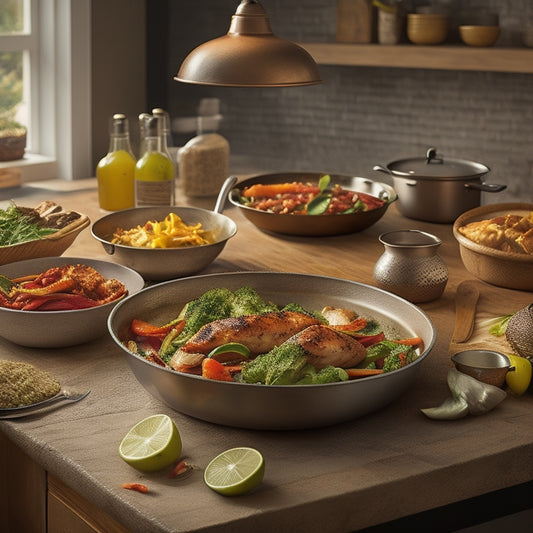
{"type": "Point", "coordinates": [35, 501]}
{"type": "Point", "coordinates": [490, 59]}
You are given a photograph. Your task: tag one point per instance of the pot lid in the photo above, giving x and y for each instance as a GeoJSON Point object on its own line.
{"type": "Point", "coordinates": [433, 166]}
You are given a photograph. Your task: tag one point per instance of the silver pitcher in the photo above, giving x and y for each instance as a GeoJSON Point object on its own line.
{"type": "Point", "coordinates": [410, 266]}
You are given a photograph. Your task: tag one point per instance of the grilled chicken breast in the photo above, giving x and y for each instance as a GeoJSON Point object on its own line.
{"type": "Point", "coordinates": [324, 346]}
{"type": "Point", "coordinates": [260, 333]}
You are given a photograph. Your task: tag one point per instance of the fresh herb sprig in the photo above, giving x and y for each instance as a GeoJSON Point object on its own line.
{"type": "Point", "coordinates": [15, 227]}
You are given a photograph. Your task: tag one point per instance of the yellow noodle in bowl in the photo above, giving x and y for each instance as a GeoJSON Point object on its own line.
{"type": "Point", "coordinates": [171, 232]}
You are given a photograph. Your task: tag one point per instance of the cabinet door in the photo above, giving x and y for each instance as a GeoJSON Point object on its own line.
{"type": "Point", "coordinates": [22, 490]}
{"type": "Point", "coordinates": [68, 511]}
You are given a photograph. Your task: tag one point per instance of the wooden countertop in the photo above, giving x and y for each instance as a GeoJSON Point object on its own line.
{"type": "Point", "coordinates": [378, 468]}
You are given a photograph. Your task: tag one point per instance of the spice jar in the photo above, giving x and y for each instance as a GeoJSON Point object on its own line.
{"type": "Point", "coordinates": [203, 162]}
{"type": "Point", "coordinates": [410, 266]}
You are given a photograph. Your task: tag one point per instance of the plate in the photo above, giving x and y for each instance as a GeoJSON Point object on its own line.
{"type": "Point", "coordinates": [274, 407]}
{"type": "Point", "coordinates": [315, 225]}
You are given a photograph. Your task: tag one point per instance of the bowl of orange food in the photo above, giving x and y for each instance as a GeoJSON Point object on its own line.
{"type": "Point", "coordinates": [164, 242]}
{"type": "Point", "coordinates": [53, 302]}
{"type": "Point", "coordinates": [496, 244]}
{"type": "Point", "coordinates": [311, 203]}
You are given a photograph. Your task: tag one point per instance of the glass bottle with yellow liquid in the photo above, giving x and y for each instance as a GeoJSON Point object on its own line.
{"type": "Point", "coordinates": [115, 171]}
{"type": "Point", "coordinates": [154, 171]}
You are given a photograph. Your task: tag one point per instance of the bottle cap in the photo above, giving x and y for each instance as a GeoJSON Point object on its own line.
{"type": "Point", "coordinates": [118, 124]}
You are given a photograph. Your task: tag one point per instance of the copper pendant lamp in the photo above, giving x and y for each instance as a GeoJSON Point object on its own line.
{"type": "Point", "coordinates": [249, 55]}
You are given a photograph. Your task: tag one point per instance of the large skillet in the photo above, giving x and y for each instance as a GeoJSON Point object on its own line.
{"type": "Point", "coordinates": [273, 407]}
{"type": "Point", "coordinates": [315, 225]}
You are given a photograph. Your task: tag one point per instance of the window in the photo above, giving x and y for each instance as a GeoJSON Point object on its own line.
{"type": "Point", "coordinates": [45, 84]}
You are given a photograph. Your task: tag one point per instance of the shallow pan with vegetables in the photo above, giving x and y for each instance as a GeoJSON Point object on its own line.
{"type": "Point", "coordinates": [315, 222]}
{"type": "Point", "coordinates": [258, 406]}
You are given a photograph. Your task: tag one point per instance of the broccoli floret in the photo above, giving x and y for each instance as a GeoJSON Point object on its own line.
{"type": "Point", "coordinates": [393, 362]}
{"type": "Point", "coordinates": [212, 305]}
{"type": "Point", "coordinates": [287, 365]}
{"type": "Point", "coordinates": [215, 304]}
{"type": "Point", "coordinates": [297, 308]}
{"type": "Point", "coordinates": [283, 365]}
{"type": "Point", "coordinates": [330, 374]}
{"type": "Point", "coordinates": [399, 359]}
{"type": "Point", "coordinates": [246, 301]}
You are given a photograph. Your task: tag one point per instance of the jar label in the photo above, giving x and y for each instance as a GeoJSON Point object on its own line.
{"type": "Point", "coordinates": [149, 193]}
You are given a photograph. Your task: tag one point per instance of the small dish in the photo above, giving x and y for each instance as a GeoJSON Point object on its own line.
{"type": "Point", "coordinates": [479, 35]}
{"type": "Point", "coordinates": [487, 366]}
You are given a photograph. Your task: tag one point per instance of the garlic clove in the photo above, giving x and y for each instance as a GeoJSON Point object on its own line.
{"type": "Point", "coordinates": [469, 396]}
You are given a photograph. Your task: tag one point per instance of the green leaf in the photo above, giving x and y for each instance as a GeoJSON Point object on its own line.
{"type": "Point", "coordinates": [320, 203]}
{"type": "Point", "coordinates": [323, 182]}
{"type": "Point", "coordinates": [499, 327]}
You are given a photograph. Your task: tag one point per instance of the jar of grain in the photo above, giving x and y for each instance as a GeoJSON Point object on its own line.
{"type": "Point", "coordinates": [203, 163]}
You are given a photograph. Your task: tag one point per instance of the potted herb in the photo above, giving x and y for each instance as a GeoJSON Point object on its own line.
{"type": "Point", "coordinates": [12, 139]}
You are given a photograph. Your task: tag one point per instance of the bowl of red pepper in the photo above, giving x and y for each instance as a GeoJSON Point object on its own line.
{"type": "Point", "coordinates": [53, 302]}
{"type": "Point", "coordinates": [311, 203]}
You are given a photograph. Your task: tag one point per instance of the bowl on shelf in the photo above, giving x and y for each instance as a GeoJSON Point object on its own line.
{"type": "Point", "coordinates": [479, 35]}
{"type": "Point", "coordinates": [501, 268]}
{"type": "Point", "coordinates": [427, 28]}
{"type": "Point", "coordinates": [55, 329]}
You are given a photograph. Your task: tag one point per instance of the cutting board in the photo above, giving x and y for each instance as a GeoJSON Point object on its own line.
{"type": "Point", "coordinates": [492, 303]}
{"type": "Point", "coordinates": [356, 21]}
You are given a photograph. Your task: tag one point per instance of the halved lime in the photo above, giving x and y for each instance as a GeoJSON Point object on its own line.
{"type": "Point", "coordinates": [235, 471]}
{"type": "Point", "coordinates": [152, 444]}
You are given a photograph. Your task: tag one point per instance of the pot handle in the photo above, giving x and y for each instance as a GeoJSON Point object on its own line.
{"type": "Point", "coordinates": [223, 194]}
{"type": "Point", "coordinates": [486, 187]}
{"type": "Point", "coordinates": [109, 248]}
{"type": "Point", "coordinates": [380, 168]}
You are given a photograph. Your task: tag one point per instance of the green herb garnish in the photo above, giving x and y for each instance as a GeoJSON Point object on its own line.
{"type": "Point", "coordinates": [15, 227]}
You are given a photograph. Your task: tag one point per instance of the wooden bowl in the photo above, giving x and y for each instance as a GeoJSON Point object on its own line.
{"type": "Point", "coordinates": [50, 246]}
{"type": "Point", "coordinates": [503, 269]}
{"type": "Point", "coordinates": [479, 35]}
{"type": "Point", "coordinates": [427, 28]}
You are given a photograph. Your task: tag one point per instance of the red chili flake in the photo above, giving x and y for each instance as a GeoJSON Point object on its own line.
{"type": "Point", "coordinates": [179, 469]}
{"type": "Point", "coordinates": [139, 487]}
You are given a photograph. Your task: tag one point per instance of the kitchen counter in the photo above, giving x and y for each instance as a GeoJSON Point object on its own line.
{"type": "Point", "coordinates": [391, 464]}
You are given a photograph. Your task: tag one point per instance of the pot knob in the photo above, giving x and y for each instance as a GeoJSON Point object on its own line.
{"type": "Point", "coordinates": [431, 156]}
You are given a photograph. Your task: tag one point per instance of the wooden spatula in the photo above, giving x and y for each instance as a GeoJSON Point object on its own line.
{"type": "Point", "coordinates": [466, 297]}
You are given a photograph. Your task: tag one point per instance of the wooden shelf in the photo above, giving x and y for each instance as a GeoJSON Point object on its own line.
{"type": "Point", "coordinates": [493, 59]}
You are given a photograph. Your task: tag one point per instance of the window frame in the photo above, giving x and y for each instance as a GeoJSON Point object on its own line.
{"type": "Point", "coordinates": [57, 40]}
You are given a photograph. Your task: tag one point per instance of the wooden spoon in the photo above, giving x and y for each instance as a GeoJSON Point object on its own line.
{"type": "Point", "coordinates": [466, 297]}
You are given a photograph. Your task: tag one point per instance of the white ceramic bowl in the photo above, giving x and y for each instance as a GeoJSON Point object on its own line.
{"type": "Point", "coordinates": [55, 329]}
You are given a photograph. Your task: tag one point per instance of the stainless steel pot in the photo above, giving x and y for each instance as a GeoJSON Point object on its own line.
{"type": "Point", "coordinates": [435, 189]}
